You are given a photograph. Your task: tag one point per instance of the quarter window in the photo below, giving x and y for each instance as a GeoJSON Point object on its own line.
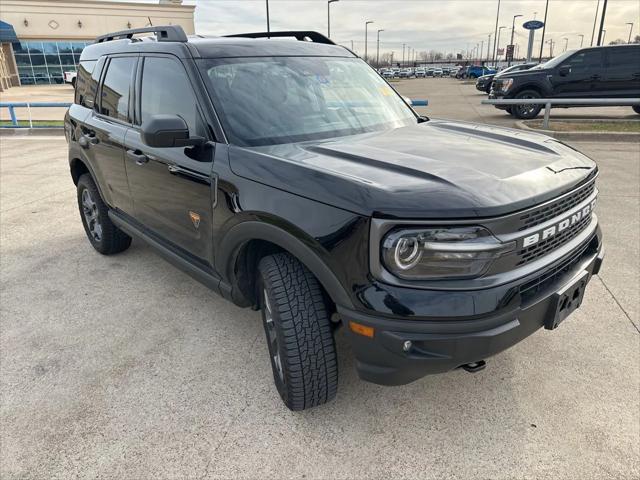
{"type": "Point", "coordinates": [166, 90]}
{"type": "Point", "coordinates": [114, 101]}
{"type": "Point", "coordinates": [585, 61]}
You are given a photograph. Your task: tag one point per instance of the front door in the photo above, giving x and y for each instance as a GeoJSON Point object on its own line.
{"type": "Point", "coordinates": [171, 187]}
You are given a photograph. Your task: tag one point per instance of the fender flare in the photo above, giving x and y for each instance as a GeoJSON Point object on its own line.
{"type": "Point", "coordinates": [77, 157]}
{"type": "Point", "coordinates": [227, 254]}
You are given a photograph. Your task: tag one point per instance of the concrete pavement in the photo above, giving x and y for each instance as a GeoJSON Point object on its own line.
{"type": "Point", "coordinates": [124, 367]}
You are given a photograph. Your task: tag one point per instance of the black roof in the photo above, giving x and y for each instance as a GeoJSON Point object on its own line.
{"type": "Point", "coordinates": [171, 39]}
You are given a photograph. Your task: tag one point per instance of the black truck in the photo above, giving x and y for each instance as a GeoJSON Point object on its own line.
{"type": "Point", "coordinates": [596, 72]}
{"type": "Point", "coordinates": [290, 178]}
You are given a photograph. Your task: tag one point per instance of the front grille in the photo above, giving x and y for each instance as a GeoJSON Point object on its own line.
{"type": "Point", "coordinates": [539, 249]}
{"type": "Point", "coordinates": [533, 287]}
{"type": "Point", "coordinates": [553, 209]}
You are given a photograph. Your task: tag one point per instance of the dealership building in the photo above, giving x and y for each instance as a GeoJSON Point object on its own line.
{"type": "Point", "coordinates": [41, 39]}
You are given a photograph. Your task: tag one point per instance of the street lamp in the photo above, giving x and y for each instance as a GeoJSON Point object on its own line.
{"type": "Point", "coordinates": [566, 43]}
{"type": "Point", "coordinates": [329, 2]}
{"type": "Point", "coordinates": [581, 39]}
{"type": "Point", "coordinates": [513, 26]}
{"type": "Point", "coordinates": [497, 46]}
{"type": "Point", "coordinates": [378, 49]}
{"type": "Point", "coordinates": [630, 30]}
{"type": "Point", "coordinates": [550, 42]}
{"type": "Point", "coordinates": [366, 25]}
{"type": "Point", "coordinates": [268, 24]}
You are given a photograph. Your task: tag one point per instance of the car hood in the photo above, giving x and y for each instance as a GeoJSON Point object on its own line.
{"type": "Point", "coordinates": [436, 169]}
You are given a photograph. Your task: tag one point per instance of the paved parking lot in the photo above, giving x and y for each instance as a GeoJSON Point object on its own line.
{"type": "Point", "coordinates": [124, 367]}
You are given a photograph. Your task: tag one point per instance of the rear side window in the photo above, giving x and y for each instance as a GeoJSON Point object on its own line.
{"type": "Point", "coordinates": [87, 83]}
{"type": "Point", "coordinates": [114, 93]}
{"type": "Point", "coordinates": [624, 60]}
{"type": "Point", "coordinates": [166, 90]}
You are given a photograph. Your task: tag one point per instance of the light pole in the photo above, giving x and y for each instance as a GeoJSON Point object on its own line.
{"type": "Point", "coordinates": [600, 33]}
{"type": "Point", "coordinates": [581, 39]}
{"type": "Point", "coordinates": [630, 30]}
{"type": "Point", "coordinates": [595, 21]}
{"type": "Point", "coordinates": [329, 2]}
{"type": "Point", "coordinates": [513, 26]}
{"type": "Point", "coordinates": [378, 49]}
{"type": "Point", "coordinates": [403, 46]}
{"type": "Point", "coordinates": [544, 29]}
{"type": "Point", "coordinates": [366, 26]}
{"type": "Point", "coordinates": [604, 34]}
{"type": "Point", "coordinates": [498, 46]}
{"type": "Point", "coordinates": [495, 35]}
{"type": "Point", "coordinates": [550, 42]}
{"type": "Point", "coordinates": [566, 43]}
{"type": "Point", "coordinates": [489, 48]}
{"type": "Point", "coordinates": [268, 25]}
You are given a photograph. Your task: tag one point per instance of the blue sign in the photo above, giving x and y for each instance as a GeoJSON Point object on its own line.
{"type": "Point", "coordinates": [533, 24]}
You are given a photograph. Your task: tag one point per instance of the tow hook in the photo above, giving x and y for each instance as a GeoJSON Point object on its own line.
{"type": "Point", "coordinates": [474, 367]}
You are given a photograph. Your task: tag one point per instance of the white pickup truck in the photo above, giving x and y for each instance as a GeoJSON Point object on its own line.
{"type": "Point", "coordinates": [70, 77]}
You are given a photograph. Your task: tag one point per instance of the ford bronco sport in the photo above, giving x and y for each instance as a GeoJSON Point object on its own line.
{"type": "Point", "coordinates": [289, 177]}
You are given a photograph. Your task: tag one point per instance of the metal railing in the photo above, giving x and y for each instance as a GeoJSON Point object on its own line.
{"type": "Point", "coordinates": [549, 102]}
{"type": "Point", "coordinates": [28, 105]}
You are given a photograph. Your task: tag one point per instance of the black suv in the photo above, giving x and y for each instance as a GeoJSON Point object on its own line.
{"type": "Point", "coordinates": [598, 72]}
{"type": "Point", "coordinates": [289, 177]}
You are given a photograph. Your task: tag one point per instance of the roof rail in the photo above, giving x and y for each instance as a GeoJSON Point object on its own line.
{"type": "Point", "coordinates": [164, 33]}
{"type": "Point", "coordinates": [301, 35]}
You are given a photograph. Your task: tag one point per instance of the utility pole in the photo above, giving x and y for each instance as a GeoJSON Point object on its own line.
{"type": "Point", "coordinates": [566, 43]}
{"type": "Point", "coordinates": [403, 45]}
{"type": "Point", "coordinates": [497, 46]}
{"type": "Point", "coordinates": [329, 2]}
{"type": "Point", "coordinates": [604, 13]}
{"type": "Point", "coordinates": [581, 39]}
{"type": "Point", "coordinates": [544, 29]}
{"type": "Point", "coordinates": [513, 26]}
{"type": "Point", "coordinates": [550, 42]}
{"type": "Point", "coordinates": [488, 49]}
{"type": "Point", "coordinates": [595, 21]}
{"type": "Point", "coordinates": [378, 49]}
{"type": "Point", "coordinates": [481, 50]}
{"type": "Point", "coordinates": [366, 25]}
{"type": "Point", "coordinates": [604, 34]}
{"type": "Point", "coordinates": [495, 35]}
{"type": "Point", "coordinates": [630, 30]}
{"type": "Point", "coordinates": [268, 25]}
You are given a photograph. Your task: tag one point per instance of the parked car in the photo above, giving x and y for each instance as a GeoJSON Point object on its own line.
{"type": "Point", "coordinates": [356, 213]}
{"type": "Point", "coordinates": [475, 71]}
{"type": "Point", "coordinates": [430, 71]}
{"type": "Point", "coordinates": [595, 72]}
{"type": "Point", "coordinates": [484, 82]}
{"type": "Point", "coordinates": [420, 72]}
{"type": "Point", "coordinates": [437, 72]}
{"type": "Point", "coordinates": [387, 73]}
{"type": "Point", "coordinates": [70, 77]}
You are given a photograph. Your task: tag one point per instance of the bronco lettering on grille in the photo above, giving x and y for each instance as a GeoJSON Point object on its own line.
{"type": "Point", "coordinates": [558, 227]}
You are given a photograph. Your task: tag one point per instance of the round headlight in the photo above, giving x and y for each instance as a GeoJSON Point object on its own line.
{"type": "Point", "coordinates": [407, 252]}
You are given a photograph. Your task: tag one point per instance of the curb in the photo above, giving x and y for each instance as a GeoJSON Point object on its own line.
{"type": "Point", "coordinates": [583, 136]}
{"type": "Point", "coordinates": [31, 132]}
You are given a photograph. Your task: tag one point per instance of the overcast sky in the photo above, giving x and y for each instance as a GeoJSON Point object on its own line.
{"type": "Point", "coordinates": [445, 25]}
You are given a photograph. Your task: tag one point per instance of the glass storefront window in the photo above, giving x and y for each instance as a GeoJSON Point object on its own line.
{"type": "Point", "coordinates": [44, 62]}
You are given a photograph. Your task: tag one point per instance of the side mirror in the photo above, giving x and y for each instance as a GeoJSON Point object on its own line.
{"type": "Point", "coordinates": [564, 70]}
{"type": "Point", "coordinates": [165, 131]}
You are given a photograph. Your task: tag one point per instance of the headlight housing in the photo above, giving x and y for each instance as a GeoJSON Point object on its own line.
{"type": "Point", "coordinates": [441, 253]}
{"type": "Point", "coordinates": [506, 84]}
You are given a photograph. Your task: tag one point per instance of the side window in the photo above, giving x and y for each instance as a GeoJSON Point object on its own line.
{"type": "Point", "coordinates": [585, 62]}
{"type": "Point", "coordinates": [86, 83]}
{"type": "Point", "coordinates": [166, 90]}
{"type": "Point", "coordinates": [624, 60]}
{"type": "Point", "coordinates": [114, 101]}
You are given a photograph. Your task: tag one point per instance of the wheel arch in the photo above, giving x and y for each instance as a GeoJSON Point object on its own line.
{"type": "Point", "coordinates": [79, 167]}
{"type": "Point", "coordinates": [246, 243]}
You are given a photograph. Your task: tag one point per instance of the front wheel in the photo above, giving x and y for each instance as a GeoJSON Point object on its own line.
{"type": "Point", "coordinates": [526, 112]}
{"type": "Point", "coordinates": [298, 330]}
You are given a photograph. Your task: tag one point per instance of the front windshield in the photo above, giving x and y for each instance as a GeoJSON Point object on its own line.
{"type": "Point", "coordinates": [273, 100]}
{"type": "Point", "coordinates": [554, 62]}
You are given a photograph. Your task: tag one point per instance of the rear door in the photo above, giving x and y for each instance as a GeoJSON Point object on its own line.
{"type": "Point", "coordinates": [585, 77]}
{"type": "Point", "coordinates": [105, 128]}
{"type": "Point", "coordinates": [171, 187]}
{"type": "Point", "coordinates": [622, 76]}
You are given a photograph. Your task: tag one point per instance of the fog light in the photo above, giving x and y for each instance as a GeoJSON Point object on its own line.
{"type": "Point", "coordinates": [407, 345]}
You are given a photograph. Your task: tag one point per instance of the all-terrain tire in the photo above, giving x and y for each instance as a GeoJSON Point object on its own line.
{"type": "Point", "coordinates": [298, 330]}
{"type": "Point", "coordinates": [526, 112]}
{"type": "Point", "coordinates": [104, 236]}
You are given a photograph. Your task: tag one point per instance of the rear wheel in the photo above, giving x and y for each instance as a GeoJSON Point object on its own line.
{"type": "Point", "coordinates": [526, 112]}
{"type": "Point", "coordinates": [298, 331]}
{"type": "Point", "coordinates": [104, 236]}
{"type": "Point", "coordinates": [636, 108]}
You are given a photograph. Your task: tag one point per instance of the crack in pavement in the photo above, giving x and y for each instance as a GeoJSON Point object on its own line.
{"type": "Point", "coordinates": [618, 303]}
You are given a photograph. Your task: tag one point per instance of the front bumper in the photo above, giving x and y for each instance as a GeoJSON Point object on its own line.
{"type": "Point", "coordinates": [439, 346]}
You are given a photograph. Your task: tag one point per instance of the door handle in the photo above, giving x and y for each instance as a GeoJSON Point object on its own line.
{"type": "Point", "coordinates": [139, 157]}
